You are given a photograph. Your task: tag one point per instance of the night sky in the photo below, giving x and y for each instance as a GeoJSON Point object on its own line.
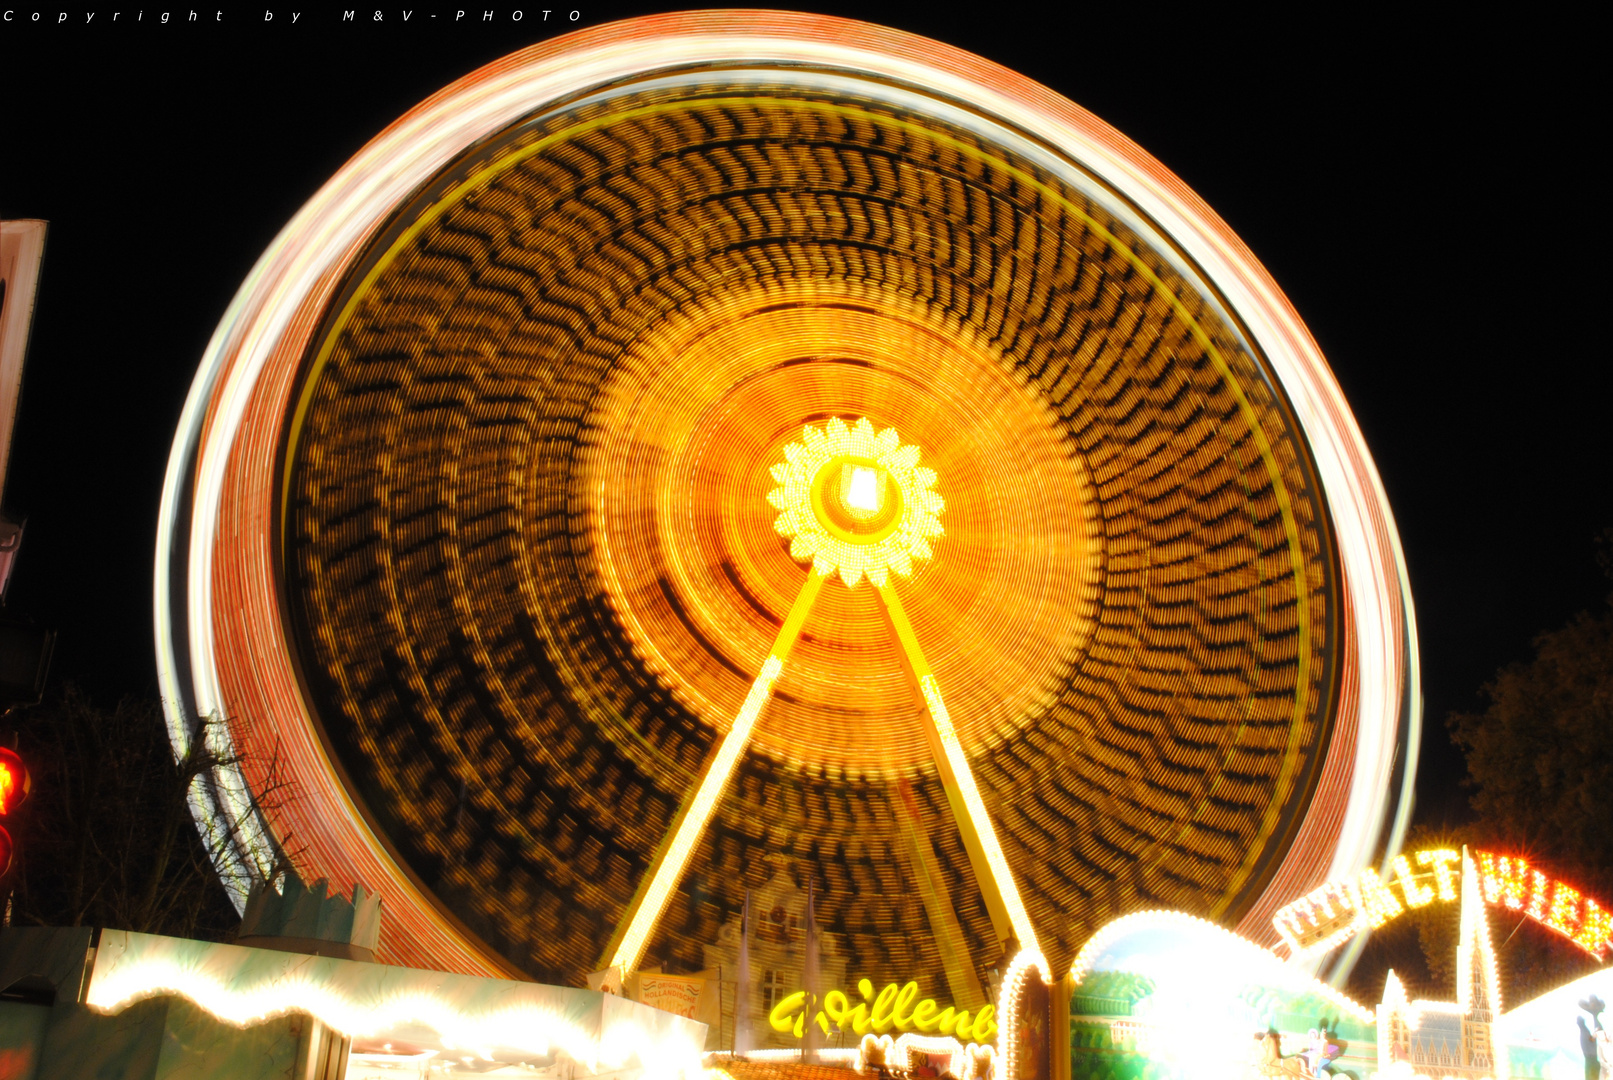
{"type": "Point", "coordinates": [1424, 192]}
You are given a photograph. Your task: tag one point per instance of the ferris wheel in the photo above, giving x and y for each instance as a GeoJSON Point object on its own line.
{"type": "Point", "coordinates": [721, 445]}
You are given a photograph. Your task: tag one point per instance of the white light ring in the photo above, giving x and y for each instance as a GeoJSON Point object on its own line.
{"type": "Point", "coordinates": [327, 231]}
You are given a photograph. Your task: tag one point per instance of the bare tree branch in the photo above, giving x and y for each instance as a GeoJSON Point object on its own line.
{"type": "Point", "coordinates": [108, 838]}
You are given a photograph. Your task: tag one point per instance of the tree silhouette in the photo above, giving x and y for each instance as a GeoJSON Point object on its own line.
{"type": "Point", "coordinates": [1540, 756]}
{"type": "Point", "coordinates": [107, 838]}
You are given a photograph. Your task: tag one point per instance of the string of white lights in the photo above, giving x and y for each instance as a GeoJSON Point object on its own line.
{"type": "Point", "coordinates": [235, 992]}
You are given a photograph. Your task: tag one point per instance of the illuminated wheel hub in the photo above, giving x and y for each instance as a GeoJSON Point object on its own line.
{"type": "Point", "coordinates": [855, 502]}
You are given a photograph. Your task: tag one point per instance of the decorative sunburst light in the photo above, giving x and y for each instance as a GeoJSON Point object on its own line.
{"type": "Point", "coordinates": [855, 501]}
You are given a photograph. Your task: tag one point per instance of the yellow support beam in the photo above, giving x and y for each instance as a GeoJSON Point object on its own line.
{"type": "Point", "coordinates": [649, 902]}
{"type": "Point", "coordinates": [949, 940]}
{"type": "Point", "coordinates": [1003, 903]}
{"type": "Point", "coordinates": [800, 475]}
{"type": "Point", "coordinates": [1058, 1027]}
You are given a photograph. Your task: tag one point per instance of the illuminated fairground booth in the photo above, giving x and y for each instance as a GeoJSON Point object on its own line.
{"type": "Point", "coordinates": [810, 530]}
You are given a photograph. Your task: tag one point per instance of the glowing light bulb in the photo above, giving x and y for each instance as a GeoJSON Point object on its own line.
{"type": "Point", "coordinates": [863, 489]}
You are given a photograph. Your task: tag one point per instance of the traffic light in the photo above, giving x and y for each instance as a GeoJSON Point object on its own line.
{"type": "Point", "coordinates": [14, 785]}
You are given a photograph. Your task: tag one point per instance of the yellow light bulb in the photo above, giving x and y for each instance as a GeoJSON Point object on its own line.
{"type": "Point", "coordinates": [863, 489]}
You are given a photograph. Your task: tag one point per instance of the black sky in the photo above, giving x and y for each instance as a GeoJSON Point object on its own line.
{"type": "Point", "coordinates": [1425, 192]}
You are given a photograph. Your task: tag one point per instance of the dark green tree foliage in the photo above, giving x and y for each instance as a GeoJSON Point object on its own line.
{"type": "Point", "coordinates": [1540, 757]}
{"type": "Point", "coordinates": [1110, 993]}
{"type": "Point", "coordinates": [106, 838]}
{"type": "Point", "coordinates": [1117, 984]}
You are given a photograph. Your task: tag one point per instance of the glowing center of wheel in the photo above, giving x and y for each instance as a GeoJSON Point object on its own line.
{"type": "Point", "coordinates": [855, 501]}
{"type": "Point", "coordinates": [862, 489]}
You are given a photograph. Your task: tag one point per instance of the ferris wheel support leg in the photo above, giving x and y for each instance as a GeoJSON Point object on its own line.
{"type": "Point", "coordinates": [1003, 903]}
{"type": "Point", "coordinates": [649, 902]}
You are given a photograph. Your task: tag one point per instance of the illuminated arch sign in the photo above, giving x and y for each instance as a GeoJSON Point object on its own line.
{"type": "Point", "coordinates": [1331, 915]}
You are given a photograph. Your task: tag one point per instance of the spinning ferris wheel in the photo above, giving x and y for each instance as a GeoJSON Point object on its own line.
{"type": "Point", "coordinates": [595, 486]}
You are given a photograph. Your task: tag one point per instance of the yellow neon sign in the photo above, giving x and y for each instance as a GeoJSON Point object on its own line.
{"type": "Point", "coordinates": [897, 1007]}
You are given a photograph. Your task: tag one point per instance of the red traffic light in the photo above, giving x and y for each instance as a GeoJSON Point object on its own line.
{"type": "Point", "coordinates": [14, 784]}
